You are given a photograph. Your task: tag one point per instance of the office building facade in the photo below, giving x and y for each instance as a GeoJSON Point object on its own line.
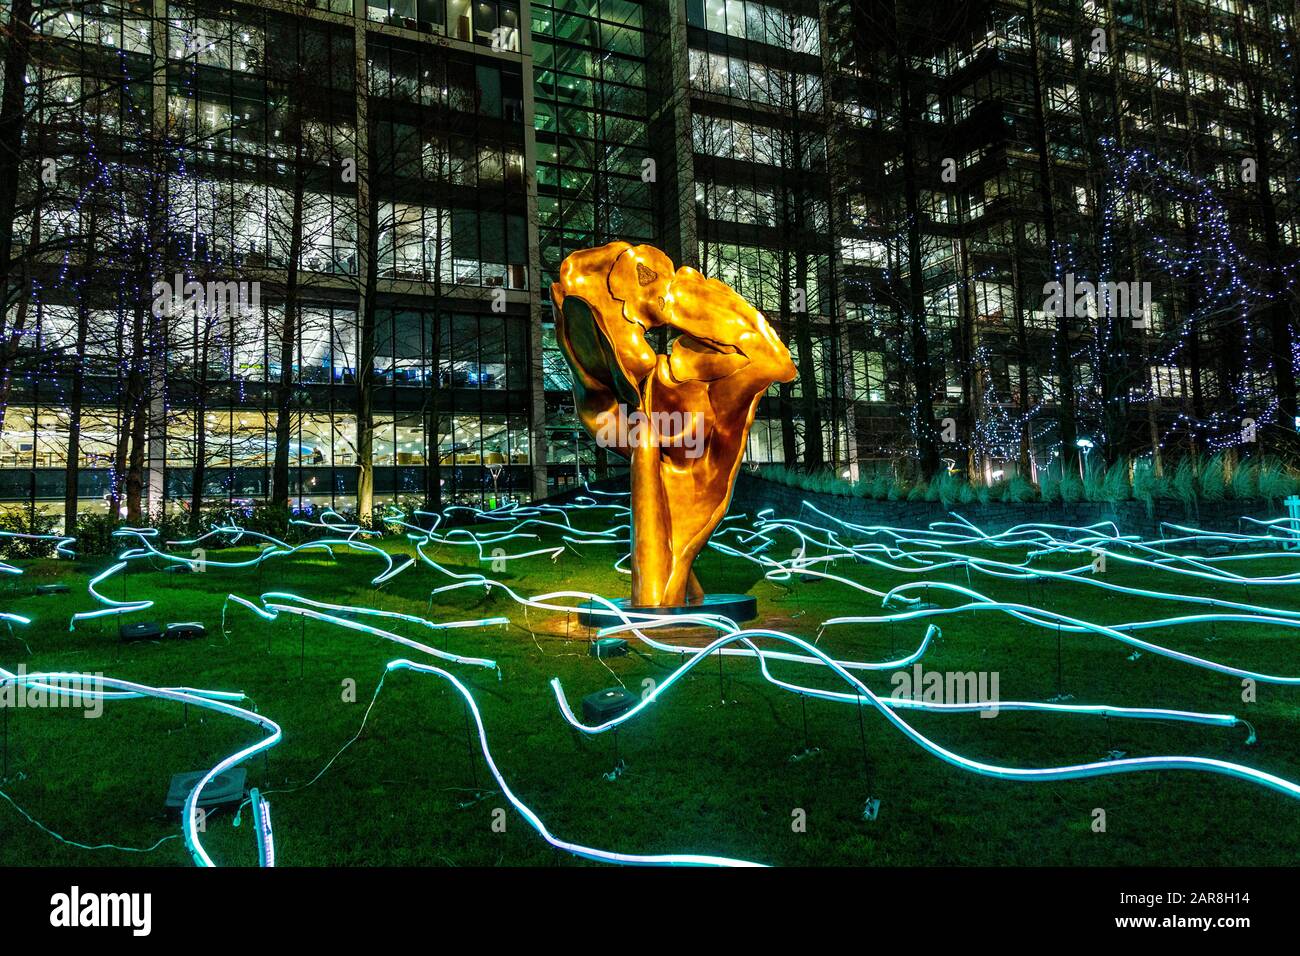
{"type": "Point", "coordinates": [303, 250]}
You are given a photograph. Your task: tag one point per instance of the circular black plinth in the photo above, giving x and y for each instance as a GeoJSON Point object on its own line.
{"type": "Point", "coordinates": [735, 607]}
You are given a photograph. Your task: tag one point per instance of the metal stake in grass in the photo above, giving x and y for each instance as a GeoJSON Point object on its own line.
{"type": "Point", "coordinates": [469, 751]}
{"type": "Point", "coordinates": [1060, 689]}
{"type": "Point", "coordinates": [862, 734]}
{"type": "Point", "coordinates": [14, 637]}
{"type": "Point", "coordinates": [722, 692]}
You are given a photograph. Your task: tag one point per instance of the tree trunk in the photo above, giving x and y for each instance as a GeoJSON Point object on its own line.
{"type": "Point", "coordinates": [927, 449]}
{"type": "Point", "coordinates": [366, 347]}
{"type": "Point", "coordinates": [139, 421]}
{"type": "Point", "coordinates": [117, 481]}
{"type": "Point", "coordinates": [72, 467]}
{"type": "Point", "coordinates": [288, 339]}
{"type": "Point", "coordinates": [432, 415]}
{"type": "Point", "coordinates": [1067, 425]}
{"type": "Point", "coordinates": [199, 475]}
{"type": "Point", "coordinates": [814, 450]}
{"type": "Point", "coordinates": [785, 408]}
{"type": "Point", "coordinates": [135, 469]}
{"type": "Point", "coordinates": [11, 335]}
{"type": "Point", "coordinates": [12, 122]}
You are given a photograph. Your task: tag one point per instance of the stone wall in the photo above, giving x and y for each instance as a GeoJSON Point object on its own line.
{"type": "Point", "coordinates": [753, 494]}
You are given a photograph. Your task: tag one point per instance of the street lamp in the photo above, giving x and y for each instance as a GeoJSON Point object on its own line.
{"type": "Point", "coordinates": [1087, 445]}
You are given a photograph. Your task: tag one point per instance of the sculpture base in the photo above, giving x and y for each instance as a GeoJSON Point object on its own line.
{"type": "Point", "coordinates": [734, 607]}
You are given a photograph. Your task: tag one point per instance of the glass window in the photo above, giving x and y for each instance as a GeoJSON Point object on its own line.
{"type": "Point", "coordinates": [489, 90]}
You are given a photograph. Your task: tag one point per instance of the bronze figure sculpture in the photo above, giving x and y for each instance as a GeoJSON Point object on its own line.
{"type": "Point", "coordinates": [682, 418]}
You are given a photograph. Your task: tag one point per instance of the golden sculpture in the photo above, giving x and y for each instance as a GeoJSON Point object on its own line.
{"type": "Point", "coordinates": [682, 418]}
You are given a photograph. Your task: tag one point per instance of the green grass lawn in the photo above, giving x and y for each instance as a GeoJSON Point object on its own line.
{"type": "Point", "coordinates": [709, 767]}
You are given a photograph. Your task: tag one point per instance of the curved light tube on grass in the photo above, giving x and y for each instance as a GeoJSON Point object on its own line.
{"type": "Point", "coordinates": [532, 819]}
{"type": "Point", "coordinates": [65, 683]}
{"type": "Point", "coordinates": [1069, 772]}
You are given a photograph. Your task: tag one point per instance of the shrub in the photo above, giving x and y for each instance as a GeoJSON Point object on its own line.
{"type": "Point", "coordinates": [822, 482]}
{"type": "Point", "coordinates": [1115, 485]}
{"type": "Point", "coordinates": [1245, 483]}
{"type": "Point", "coordinates": [1214, 485]}
{"type": "Point", "coordinates": [946, 488]}
{"type": "Point", "coordinates": [1275, 480]}
{"type": "Point", "coordinates": [1148, 487]}
{"type": "Point", "coordinates": [95, 535]}
{"type": "Point", "coordinates": [1071, 488]}
{"type": "Point", "coordinates": [1049, 483]}
{"type": "Point", "coordinates": [175, 527]}
{"type": "Point", "coordinates": [779, 474]}
{"type": "Point", "coordinates": [1094, 485]}
{"type": "Point", "coordinates": [267, 519]}
{"type": "Point", "coordinates": [1020, 489]}
{"type": "Point", "coordinates": [1214, 479]}
{"type": "Point", "coordinates": [1184, 483]}
{"type": "Point", "coordinates": [22, 520]}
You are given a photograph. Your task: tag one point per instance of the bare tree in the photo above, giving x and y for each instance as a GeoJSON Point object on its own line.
{"type": "Point", "coordinates": [314, 152]}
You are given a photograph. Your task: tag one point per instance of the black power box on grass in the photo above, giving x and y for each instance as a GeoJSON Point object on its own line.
{"type": "Point", "coordinates": [224, 790]}
{"type": "Point", "coordinates": [153, 631]}
{"type": "Point", "coordinates": [140, 631]}
{"type": "Point", "coordinates": [185, 630]}
{"type": "Point", "coordinates": [608, 647]}
{"type": "Point", "coordinates": [607, 704]}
